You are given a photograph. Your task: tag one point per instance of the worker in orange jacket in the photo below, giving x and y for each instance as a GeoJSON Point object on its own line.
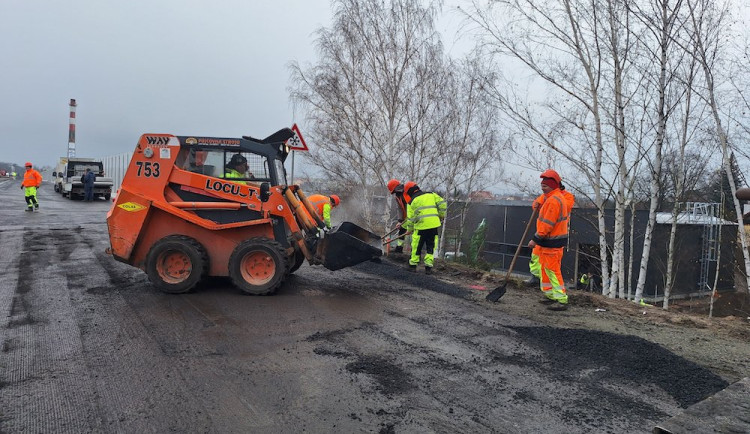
{"type": "Point", "coordinates": [31, 181]}
{"type": "Point", "coordinates": [551, 237]}
{"type": "Point", "coordinates": [397, 190]}
{"type": "Point", "coordinates": [323, 205]}
{"type": "Point", "coordinates": [534, 262]}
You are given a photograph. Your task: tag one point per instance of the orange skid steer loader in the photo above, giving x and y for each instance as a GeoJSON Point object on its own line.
{"type": "Point", "coordinates": [193, 206]}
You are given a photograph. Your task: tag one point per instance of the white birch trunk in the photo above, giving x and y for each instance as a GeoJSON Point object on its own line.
{"type": "Point", "coordinates": [670, 257]}
{"type": "Point", "coordinates": [631, 256]}
{"type": "Point", "coordinates": [664, 42]}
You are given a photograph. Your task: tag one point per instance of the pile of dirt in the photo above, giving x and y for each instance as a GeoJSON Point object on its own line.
{"type": "Point", "coordinates": [732, 304]}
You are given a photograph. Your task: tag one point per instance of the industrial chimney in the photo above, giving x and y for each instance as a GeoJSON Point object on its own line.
{"type": "Point", "coordinates": [72, 130]}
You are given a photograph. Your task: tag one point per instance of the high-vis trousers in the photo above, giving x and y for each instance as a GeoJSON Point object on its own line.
{"type": "Point", "coordinates": [30, 193]}
{"type": "Point", "coordinates": [552, 283]}
{"type": "Point", "coordinates": [426, 238]}
{"type": "Point", "coordinates": [534, 267]}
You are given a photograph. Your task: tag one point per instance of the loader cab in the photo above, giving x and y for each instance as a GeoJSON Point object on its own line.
{"type": "Point", "coordinates": [240, 160]}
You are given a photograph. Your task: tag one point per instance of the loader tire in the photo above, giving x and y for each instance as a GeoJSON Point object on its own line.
{"type": "Point", "coordinates": [299, 259]}
{"type": "Point", "coordinates": [175, 264]}
{"type": "Point", "coordinates": [258, 266]}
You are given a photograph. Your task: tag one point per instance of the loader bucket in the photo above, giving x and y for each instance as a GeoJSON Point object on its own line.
{"type": "Point", "coordinates": [347, 245]}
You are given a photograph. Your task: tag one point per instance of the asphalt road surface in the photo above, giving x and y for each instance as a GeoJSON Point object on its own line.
{"type": "Point", "coordinates": [89, 345]}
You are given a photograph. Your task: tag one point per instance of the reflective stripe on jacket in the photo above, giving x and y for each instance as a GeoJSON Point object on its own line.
{"type": "Point", "coordinates": [552, 223]}
{"type": "Point", "coordinates": [32, 178]}
{"type": "Point", "coordinates": [425, 211]}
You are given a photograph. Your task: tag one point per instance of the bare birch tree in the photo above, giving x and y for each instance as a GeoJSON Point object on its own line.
{"type": "Point", "coordinates": [469, 135]}
{"type": "Point", "coordinates": [709, 20]}
{"type": "Point", "coordinates": [369, 98]}
{"type": "Point", "coordinates": [661, 24]}
{"type": "Point", "coordinates": [580, 50]}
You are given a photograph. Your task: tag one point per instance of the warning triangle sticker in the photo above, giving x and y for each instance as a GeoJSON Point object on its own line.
{"type": "Point", "coordinates": [296, 142]}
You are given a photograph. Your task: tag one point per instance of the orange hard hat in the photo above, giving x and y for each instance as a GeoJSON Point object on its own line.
{"type": "Point", "coordinates": [335, 199]}
{"type": "Point", "coordinates": [549, 173]}
{"type": "Point", "coordinates": [392, 184]}
{"type": "Point", "coordinates": [27, 164]}
{"type": "Point", "coordinates": [409, 185]}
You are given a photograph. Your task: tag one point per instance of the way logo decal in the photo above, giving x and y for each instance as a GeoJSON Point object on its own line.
{"type": "Point", "coordinates": [152, 140]}
{"type": "Point", "coordinates": [131, 206]}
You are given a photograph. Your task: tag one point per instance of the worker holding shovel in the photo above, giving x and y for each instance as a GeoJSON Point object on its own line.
{"type": "Point", "coordinates": [534, 267]}
{"type": "Point", "coordinates": [551, 237]}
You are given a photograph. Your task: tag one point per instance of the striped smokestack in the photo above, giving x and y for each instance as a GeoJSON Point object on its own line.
{"type": "Point", "coordinates": [72, 130]}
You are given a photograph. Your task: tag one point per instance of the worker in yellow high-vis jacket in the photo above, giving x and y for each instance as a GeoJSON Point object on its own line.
{"type": "Point", "coordinates": [424, 216]}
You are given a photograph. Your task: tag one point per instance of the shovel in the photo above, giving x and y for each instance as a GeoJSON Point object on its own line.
{"type": "Point", "coordinates": [390, 240]}
{"type": "Point", "coordinates": [498, 292]}
{"type": "Point", "coordinates": [389, 232]}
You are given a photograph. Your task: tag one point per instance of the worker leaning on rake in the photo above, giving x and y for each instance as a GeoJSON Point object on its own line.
{"type": "Point", "coordinates": [551, 237]}
{"type": "Point", "coordinates": [424, 216]}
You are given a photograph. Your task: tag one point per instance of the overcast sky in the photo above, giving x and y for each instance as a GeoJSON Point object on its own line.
{"type": "Point", "coordinates": [186, 67]}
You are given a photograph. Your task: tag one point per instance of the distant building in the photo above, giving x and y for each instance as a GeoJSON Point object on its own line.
{"type": "Point", "coordinates": [481, 195]}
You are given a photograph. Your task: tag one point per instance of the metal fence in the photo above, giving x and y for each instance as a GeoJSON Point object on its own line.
{"type": "Point", "coordinates": [115, 166]}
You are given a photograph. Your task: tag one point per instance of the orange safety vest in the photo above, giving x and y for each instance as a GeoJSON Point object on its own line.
{"type": "Point", "coordinates": [32, 178]}
{"type": "Point", "coordinates": [317, 201]}
{"type": "Point", "coordinates": [552, 223]}
{"type": "Point", "coordinates": [401, 201]}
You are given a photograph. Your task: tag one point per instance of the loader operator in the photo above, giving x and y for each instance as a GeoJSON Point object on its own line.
{"type": "Point", "coordinates": [425, 214]}
{"type": "Point", "coordinates": [551, 236]}
{"type": "Point", "coordinates": [397, 189]}
{"type": "Point", "coordinates": [237, 168]}
{"type": "Point", "coordinates": [31, 181]}
{"type": "Point", "coordinates": [323, 205]}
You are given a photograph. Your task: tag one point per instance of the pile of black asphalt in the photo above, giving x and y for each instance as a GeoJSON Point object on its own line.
{"type": "Point", "coordinates": [629, 357]}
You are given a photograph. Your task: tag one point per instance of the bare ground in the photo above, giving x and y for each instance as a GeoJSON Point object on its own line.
{"type": "Point", "coordinates": [89, 345]}
{"type": "Point", "coordinates": [720, 343]}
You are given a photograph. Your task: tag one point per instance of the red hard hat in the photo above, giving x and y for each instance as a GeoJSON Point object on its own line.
{"type": "Point", "coordinates": [549, 173]}
{"type": "Point", "coordinates": [392, 184]}
{"type": "Point", "coordinates": [335, 199]}
{"type": "Point", "coordinates": [27, 164]}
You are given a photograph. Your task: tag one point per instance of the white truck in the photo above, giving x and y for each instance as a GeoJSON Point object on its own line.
{"type": "Point", "coordinates": [68, 175]}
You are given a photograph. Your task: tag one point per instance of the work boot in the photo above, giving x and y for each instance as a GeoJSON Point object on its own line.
{"type": "Point", "coordinates": [532, 281]}
{"type": "Point", "coordinates": [30, 209]}
{"type": "Point", "coordinates": [547, 301]}
{"type": "Point", "coordinates": [36, 206]}
{"type": "Point", "coordinates": [427, 270]}
{"type": "Point", "coordinates": [398, 249]}
{"type": "Point", "coordinates": [558, 307]}
{"type": "Point", "coordinates": [412, 268]}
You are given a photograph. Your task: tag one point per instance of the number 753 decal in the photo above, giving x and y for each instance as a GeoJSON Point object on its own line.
{"type": "Point", "coordinates": [148, 169]}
